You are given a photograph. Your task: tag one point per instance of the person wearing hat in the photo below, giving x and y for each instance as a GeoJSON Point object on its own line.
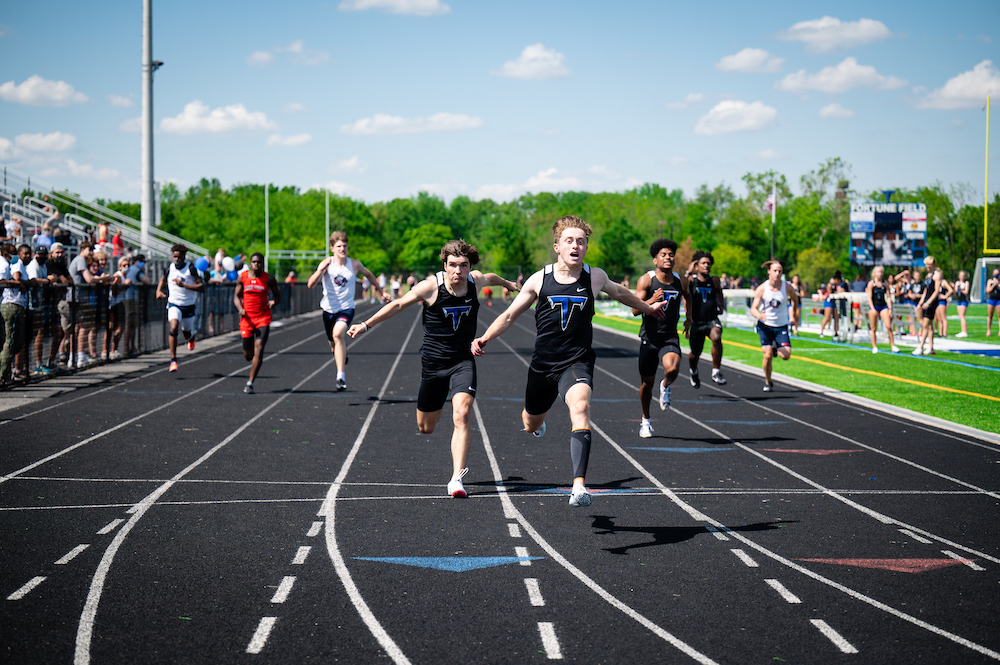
{"type": "Point", "coordinates": [58, 273]}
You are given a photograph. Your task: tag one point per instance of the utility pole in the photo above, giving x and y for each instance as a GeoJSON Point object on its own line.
{"type": "Point", "coordinates": [149, 66]}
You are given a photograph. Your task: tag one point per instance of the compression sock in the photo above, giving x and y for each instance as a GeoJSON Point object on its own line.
{"type": "Point", "coordinates": [579, 448]}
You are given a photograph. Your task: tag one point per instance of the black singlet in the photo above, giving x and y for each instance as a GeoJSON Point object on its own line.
{"type": "Point", "coordinates": [704, 299]}
{"type": "Point", "coordinates": [449, 326]}
{"type": "Point", "coordinates": [995, 291]}
{"type": "Point", "coordinates": [658, 331]}
{"type": "Point", "coordinates": [564, 322]}
{"type": "Point", "coordinates": [878, 295]}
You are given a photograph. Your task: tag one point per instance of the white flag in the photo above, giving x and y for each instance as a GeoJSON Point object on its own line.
{"type": "Point", "coordinates": [769, 204]}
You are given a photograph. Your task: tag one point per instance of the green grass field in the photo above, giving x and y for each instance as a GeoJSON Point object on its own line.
{"type": "Point", "coordinates": [962, 388]}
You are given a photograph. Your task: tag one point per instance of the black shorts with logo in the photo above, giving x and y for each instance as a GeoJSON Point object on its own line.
{"type": "Point", "coordinates": [651, 355]}
{"type": "Point", "coordinates": [543, 388]}
{"type": "Point", "coordinates": [437, 386]}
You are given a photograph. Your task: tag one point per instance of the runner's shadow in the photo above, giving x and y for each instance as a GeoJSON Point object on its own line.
{"type": "Point", "coordinates": [665, 535]}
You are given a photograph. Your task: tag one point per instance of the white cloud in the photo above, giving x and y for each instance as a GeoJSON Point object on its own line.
{"type": "Point", "coordinates": [839, 78]}
{"type": "Point", "coordinates": [692, 98]}
{"type": "Point", "coordinates": [6, 148]}
{"type": "Point", "coordinates": [750, 60]}
{"type": "Point", "coordinates": [338, 188]}
{"type": "Point", "coordinates": [767, 155]}
{"type": "Point", "coordinates": [536, 63]}
{"type": "Point", "coordinates": [288, 141]}
{"type": "Point", "coordinates": [88, 171]}
{"type": "Point", "coordinates": [734, 115]}
{"type": "Point", "coordinates": [382, 124]}
{"type": "Point", "coordinates": [120, 101]}
{"type": "Point", "coordinates": [54, 142]}
{"type": "Point", "coordinates": [444, 190]}
{"type": "Point", "coordinates": [131, 125]}
{"type": "Point", "coordinates": [597, 178]}
{"type": "Point", "coordinates": [829, 33]}
{"type": "Point", "coordinates": [197, 118]}
{"type": "Point", "coordinates": [36, 91]}
{"type": "Point", "coordinates": [415, 7]}
{"type": "Point", "coordinates": [298, 54]}
{"type": "Point", "coordinates": [835, 110]}
{"type": "Point", "coordinates": [349, 165]}
{"type": "Point", "coordinates": [967, 90]}
{"type": "Point", "coordinates": [292, 107]}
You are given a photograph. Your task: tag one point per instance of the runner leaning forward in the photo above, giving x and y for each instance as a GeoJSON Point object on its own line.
{"type": "Point", "coordinates": [183, 284]}
{"type": "Point", "coordinates": [707, 303]}
{"type": "Point", "coordinates": [255, 294]}
{"type": "Point", "coordinates": [770, 306]}
{"type": "Point", "coordinates": [563, 362]}
{"type": "Point", "coordinates": [448, 370]}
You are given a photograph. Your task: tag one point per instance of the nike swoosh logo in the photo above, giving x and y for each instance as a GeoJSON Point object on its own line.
{"type": "Point", "coordinates": [468, 300]}
{"type": "Point", "coordinates": [580, 290]}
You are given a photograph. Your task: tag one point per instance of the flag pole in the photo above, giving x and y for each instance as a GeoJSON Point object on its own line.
{"type": "Point", "coordinates": [986, 187]}
{"type": "Point", "coordinates": [774, 209]}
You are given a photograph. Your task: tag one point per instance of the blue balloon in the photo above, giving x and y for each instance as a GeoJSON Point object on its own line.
{"type": "Point", "coordinates": [232, 275]}
{"type": "Point", "coordinates": [201, 263]}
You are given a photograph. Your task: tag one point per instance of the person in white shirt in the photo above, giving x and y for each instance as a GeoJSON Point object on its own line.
{"type": "Point", "coordinates": [180, 285]}
{"type": "Point", "coordinates": [12, 306]}
{"type": "Point", "coordinates": [42, 318]}
{"type": "Point", "coordinates": [339, 276]}
{"type": "Point", "coordinates": [770, 306]}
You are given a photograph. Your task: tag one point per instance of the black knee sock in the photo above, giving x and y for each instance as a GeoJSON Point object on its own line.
{"type": "Point", "coordinates": [579, 448]}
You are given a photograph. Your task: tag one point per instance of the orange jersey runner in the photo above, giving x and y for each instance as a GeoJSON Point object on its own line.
{"type": "Point", "coordinates": [256, 295]}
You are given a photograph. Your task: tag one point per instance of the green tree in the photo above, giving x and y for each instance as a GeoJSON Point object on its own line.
{"type": "Point", "coordinates": [733, 260]}
{"type": "Point", "coordinates": [816, 266]}
{"type": "Point", "coordinates": [616, 244]}
{"type": "Point", "coordinates": [422, 246]}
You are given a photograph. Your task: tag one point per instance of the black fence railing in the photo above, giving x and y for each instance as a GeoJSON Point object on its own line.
{"type": "Point", "coordinates": [68, 328]}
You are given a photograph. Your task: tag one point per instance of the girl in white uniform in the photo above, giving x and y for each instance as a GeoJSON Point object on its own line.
{"type": "Point", "coordinates": [770, 307]}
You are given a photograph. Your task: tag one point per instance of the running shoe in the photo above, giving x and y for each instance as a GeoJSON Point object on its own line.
{"type": "Point", "coordinates": [248, 389]}
{"type": "Point", "coordinates": [918, 351]}
{"type": "Point", "coordinates": [341, 385]}
{"type": "Point", "coordinates": [580, 498]}
{"type": "Point", "coordinates": [664, 397]}
{"type": "Point", "coordinates": [173, 365]}
{"type": "Point", "coordinates": [455, 488]}
{"type": "Point", "coordinates": [695, 380]}
{"type": "Point", "coordinates": [895, 349]}
{"type": "Point", "coordinates": [962, 335]}
{"type": "Point", "coordinates": [191, 344]}
{"type": "Point", "coordinates": [768, 387]}
{"type": "Point", "coordinates": [874, 349]}
{"type": "Point", "coordinates": [645, 430]}
{"type": "Point", "coordinates": [718, 378]}
{"type": "Point", "coordinates": [540, 432]}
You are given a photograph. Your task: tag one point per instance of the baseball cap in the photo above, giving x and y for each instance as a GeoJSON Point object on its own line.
{"type": "Point", "coordinates": [56, 245]}
{"type": "Point", "coordinates": [41, 249]}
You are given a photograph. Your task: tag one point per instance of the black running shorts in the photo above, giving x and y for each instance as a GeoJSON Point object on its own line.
{"type": "Point", "coordinates": [438, 386]}
{"type": "Point", "coordinates": [543, 389]}
{"type": "Point", "coordinates": [651, 356]}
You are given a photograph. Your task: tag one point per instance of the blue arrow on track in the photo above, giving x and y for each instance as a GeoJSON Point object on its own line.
{"type": "Point", "coordinates": [455, 564]}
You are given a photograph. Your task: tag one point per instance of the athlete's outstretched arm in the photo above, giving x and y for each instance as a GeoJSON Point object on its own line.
{"type": "Point", "coordinates": [601, 282]}
{"type": "Point", "coordinates": [423, 291]}
{"type": "Point", "coordinates": [523, 301]}
{"type": "Point", "coordinates": [493, 279]}
{"type": "Point", "coordinates": [315, 278]}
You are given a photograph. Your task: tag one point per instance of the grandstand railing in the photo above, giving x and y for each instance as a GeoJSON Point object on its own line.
{"type": "Point", "coordinates": [54, 312]}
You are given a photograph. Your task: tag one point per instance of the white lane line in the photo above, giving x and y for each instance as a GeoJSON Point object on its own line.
{"type": "Point", "coordinates": [522, 553]}
{"type": "Point", "coordinates": [300, 556]}
{"type": "Point", "coordinates": [260, 635]}
{"type": "Point", "coordinates": [315, 529]}
{"type": "Point", "coordinates": [573, 570]}
{"type": "Point", "coordinates": [744, 557]}
{"type": "Point", "coordinates": [285, 588]}
{"type": "Point", "coordinates": [23, 591]}
{"type": "Point", "coordinates": [534, 592]}
{"type": "Point", "coordinates": [134, 419]}
{"type": "Point", "coordinates": [833, 636]}
{"type": "Point", "coordinates": [782, 591]}
{"type": "Point", "coordinates": [919, 539]}
{"type": "Point", "coordinates": [967, 562]}
{"type": "Point", "coordinates": [88, 617]}
{"type": "Point", "coordinates": [549, 642]}
{"type": "Point", "coordinates": [717, 533]}
{"type": "Point", "coordinates": [329, 510]}
{"type": "Point", "coordinates": [514, 529]}
{"type": "Point", "coordinates": [109, 527]}
{"type": "Point", "coordinates": [71, 554]}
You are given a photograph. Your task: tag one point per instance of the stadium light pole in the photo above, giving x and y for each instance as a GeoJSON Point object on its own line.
{"type": "Point", "coordinates": [147, 215]}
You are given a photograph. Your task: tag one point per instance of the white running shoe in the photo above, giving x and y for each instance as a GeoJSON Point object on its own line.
{"type": "Point", "coordinates": [718, 378]}
{"type": "Point", "coordinates": [341, 385]}
{"type": "Point", "coordinates": [962, 335]}
{"type": "Point", "coordinates": [918, 351]}
{"type": "Point", "coordinates": [874, 349]}
{"type": "Point", "coordinates": [645, 430]}
{"type": "Point", "coordinates": [455, 488]}
{"type": "Point", "coordinates": [769, 387]}
{"type": "Point", "coordinates": [664, 397]}
{"type": "Point", "coordinates": [540, 432]}
{"type": "Point", "coordinates": [580, 498]}
{"type": "Point", "coordinates": [895, 349]}
{"type": "Point", "coordinates": [695, 380]}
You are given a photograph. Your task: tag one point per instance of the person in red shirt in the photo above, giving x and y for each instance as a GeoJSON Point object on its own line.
{"type": "Point", "coordinates": [256, 293]}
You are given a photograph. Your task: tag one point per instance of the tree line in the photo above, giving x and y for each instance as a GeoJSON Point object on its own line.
{"type": "Point", "coordinates": [811, 231]}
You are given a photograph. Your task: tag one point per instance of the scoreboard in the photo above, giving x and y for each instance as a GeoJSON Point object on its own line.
{"type": "Point", "coordinates": [890, 234]}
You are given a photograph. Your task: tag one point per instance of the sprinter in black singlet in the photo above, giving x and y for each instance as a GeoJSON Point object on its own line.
{"type": "Point", "coordinates": [448, 370]}
{"type": "Point", "coordinates": [927, 307]}
{"type": "Point", "coordinates": [707, 303]}
{"type": "Point", "coordinates": [660, 345]}
{"type": "Point", "coordinates": [563, 362]}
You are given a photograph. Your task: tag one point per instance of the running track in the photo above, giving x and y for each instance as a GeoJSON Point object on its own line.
{"type": "Point", "coordinates": [170, 518]}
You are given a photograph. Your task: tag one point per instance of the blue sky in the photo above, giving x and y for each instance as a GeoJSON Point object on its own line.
{"type": "Point", "coordinates": [378, 99]}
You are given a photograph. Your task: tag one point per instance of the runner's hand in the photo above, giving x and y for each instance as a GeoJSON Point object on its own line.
{"type": "Point", "coordinates": [477, 346]}
{"type": "Point", "coordinates": [356, 330]}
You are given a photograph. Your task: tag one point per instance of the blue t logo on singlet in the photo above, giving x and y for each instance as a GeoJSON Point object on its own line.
{"type": "Point", "coordinates": [705, 292]}
{"type": "Point", "coordinates": [456, 314]}
{"type": "Point", "coordinates": [670, 295]}
{"type": "Point", "coordinates": [567, 303]}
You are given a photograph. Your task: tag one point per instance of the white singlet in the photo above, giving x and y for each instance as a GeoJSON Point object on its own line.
{"type": "Point", "coordinates": [178, 295]}
{"type": "Point", "coordinates": [774, 306]}
{"type": "Point", "coordinates": [338, 287]}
